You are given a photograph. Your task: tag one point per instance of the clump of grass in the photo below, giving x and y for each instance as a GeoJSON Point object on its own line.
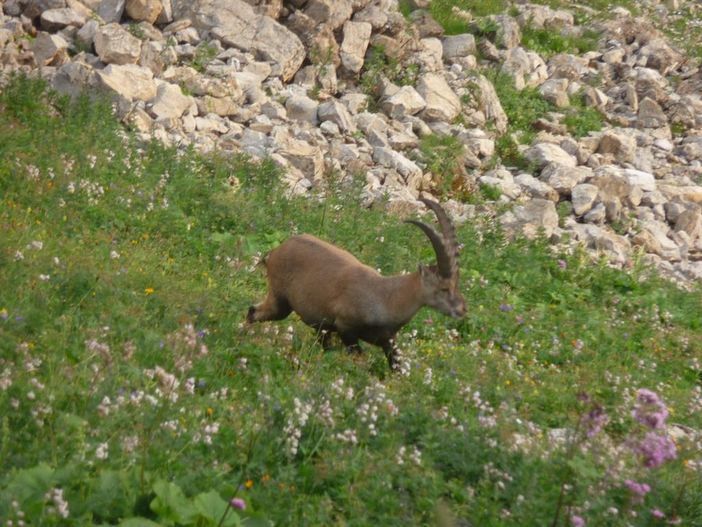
{"type": "Point", "coordinates": [522, 107]}
{"type": "Point", "coordinates": [444, 13]}
{"type": "Point", "coordinates": [443, 156]}
{"type": "Point", "coordinates": [204, 53]}
{"type": "Point", "coordinates": [549, 42]}
{"type": "Point", "coordinates": [379, 65]}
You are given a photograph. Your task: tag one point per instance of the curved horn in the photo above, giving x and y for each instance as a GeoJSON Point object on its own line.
{"type": "Point", "coordinates": [443, 260]}
{"type": "Point", "coordinates": [448, 231]}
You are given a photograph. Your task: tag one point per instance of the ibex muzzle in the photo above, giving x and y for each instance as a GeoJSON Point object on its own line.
{"type": "Point", "coordinates": [332, 291]}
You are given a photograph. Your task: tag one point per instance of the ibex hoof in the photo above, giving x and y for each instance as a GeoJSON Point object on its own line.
{"type": "Point", "coordinates": [250, 315]}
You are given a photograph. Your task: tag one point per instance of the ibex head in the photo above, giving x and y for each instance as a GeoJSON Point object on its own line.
{"type": "Point", "coordinates": [440, 282]}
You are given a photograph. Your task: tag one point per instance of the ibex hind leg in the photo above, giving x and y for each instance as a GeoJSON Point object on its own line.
{"type": "Point", "coordinates": [272, 308]}
{"type": "Point", "coordinates": [350, 340]}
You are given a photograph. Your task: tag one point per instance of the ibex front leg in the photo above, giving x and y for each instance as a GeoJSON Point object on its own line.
{"type": "Point", "coordinates": [391, 353]}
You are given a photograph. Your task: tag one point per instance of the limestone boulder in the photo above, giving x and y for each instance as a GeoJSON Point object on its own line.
{"type": "Point", "coordinates": [353, 47]}
{"type": "Point", "coordinates": [337, 113]}
{"type": "Point", "coordinates": [49, 49]}
{"type": "Point", "coordinates": [457, 46]}
{"type": "Point", "coordinates": [542, 154]}
{"type": "Point", "coordinates": [53, 20]}
{"type": "Point", "coordinates": [406, 101]}
{"type": "Point", "coordinates": [170, 102]}
{"type": "Point", "coordinates": [116, 45]}
{"type": "Point", "coordinates": [235, 23]}
{"type": "Point", "coordinates": [144, 10]}
{"type": "Point", "coordinates": [442, 104]}
{"type": "Point", "coordinates": [535, 216]}
{"type": "Point", "coordinates": [129, 81]}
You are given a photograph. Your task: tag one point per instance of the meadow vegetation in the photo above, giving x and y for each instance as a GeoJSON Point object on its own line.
{"type": "Point", "coordinates": [132, 394]}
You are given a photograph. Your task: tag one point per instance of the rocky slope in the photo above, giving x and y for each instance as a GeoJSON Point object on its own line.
{"type": "Point", "coordinates": [302, 82]}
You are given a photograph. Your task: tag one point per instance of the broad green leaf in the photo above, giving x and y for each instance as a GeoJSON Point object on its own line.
{"type": "Point", "coordinates": [211, 507]}
{"type": "Point", "coordinates": [171, 505]}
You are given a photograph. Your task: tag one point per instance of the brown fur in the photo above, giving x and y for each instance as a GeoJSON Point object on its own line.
{"type": "Point", "coordinates": [332, 291]}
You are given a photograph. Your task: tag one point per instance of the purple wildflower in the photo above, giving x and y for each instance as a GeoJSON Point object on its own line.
{"type": "Point", "coordinates": [638, 489]}
{"type": "Point", "coordinates": [657, 513]}
{"type": "Point", "coordinates": [577, 521]}
{"type": "Point", "coordinates": [656, 449]}
{"type": "Point", "coordinates": [562, 264]}
{"type": "Point", "coordinates": [506, 308]}
{"type": "Point", "coordinates": [237, 503]}
{"type": "Point", "coordinates": [594, 421]}
{"type": "Point", "coordinates": [650, 410]}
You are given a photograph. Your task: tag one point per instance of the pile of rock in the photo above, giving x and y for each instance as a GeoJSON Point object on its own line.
{"type": "Point", "coordinates": [281, 79]}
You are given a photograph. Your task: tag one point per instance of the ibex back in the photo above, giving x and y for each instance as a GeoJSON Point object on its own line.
{"type": "Point", "coordinates": [332, 291]}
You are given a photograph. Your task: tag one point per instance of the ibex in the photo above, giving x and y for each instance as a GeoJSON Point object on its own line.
{"type": "Point", "coordinates": [332, 291]}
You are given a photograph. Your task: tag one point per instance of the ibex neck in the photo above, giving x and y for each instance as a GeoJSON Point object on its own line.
{"type": "Point", "coordinates": [402, 295]}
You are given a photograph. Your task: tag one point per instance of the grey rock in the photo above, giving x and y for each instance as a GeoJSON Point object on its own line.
{"type": "Point", "coordinates": [490, 103]}
{"type": "Point", "coordinates": [531, 218]}
{"type": "Point", "coordinates": [170, 102]}
{"type": "Point", "coordinates": [337, 113]}
{"type": "Point", "coordinates": [235, 23]}
{"type": "Point", "coordinates": [115, 45]}
{"type": "Point", "coordinates": [111, 10]}
{"type": "Point", "coordinates": [653, 237]}
{"type": "Point", "coordinates": [49, 49]}
{"type": "Point", "coordinates": [583, 197]}
{"type": "Point", "coordinates": [541, 154]}
{"type": "Point", "coordinates": [535, 188]}
{"type": "Point", "coordinates": [302, 108]}
{"type": "Point", "coordinates": [555, 91]}
{"type": "Point", "coordinates": [331, 12]}
{"type": "Point", "coordinates": [128, 81]}
{"type": "Point", "coordinates": [406, 101]}
{"type": "Point", "coordinates": [601, 240]}
{"type": "Point", "coordinates": [597, 214]}
{"type": "Point", "coordinates": [144, 10]}
{"type": "Point", "coordinates": [442, 104]}
{"type": "Point", "coordinates": [390, 158]}
{"type": "Point", "coordinates": [353, 47]}
{"type": "Point", "coordinates": [562, 178]}
{"type": "Point", "coordinates": [56, 19]}
{"type": "Point", "coordinates": [651, 114]}
{"type": "Point", "coordinates": [621, 146]}
{"type": "Point", "coordinates": [456, 46]}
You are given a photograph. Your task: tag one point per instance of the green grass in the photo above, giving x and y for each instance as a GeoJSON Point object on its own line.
{"type": "Point", "coordinates": [130, 389]}
{"type": "Point", "coordinates": [548, 42]}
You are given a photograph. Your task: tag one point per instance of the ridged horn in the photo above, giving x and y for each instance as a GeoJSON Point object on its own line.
{"type": "Point", "coordinates": [449, 234]}
{"type": "Point", "coordinates": [443, 260]}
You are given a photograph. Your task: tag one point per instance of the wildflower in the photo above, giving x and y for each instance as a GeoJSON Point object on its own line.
{"type": "Point", "coordinates": [639, 490]}
{"type": "Point", "coordinates": [562, 264]}
{"type": "Point", "coordinates": [237, 503]}
{"type": "Point", "coordinates": [3, 314]}
{"type": "Point", "coordinates": [59, 505]}
{"type": "Point", "coordinates": [102, 452]}
{"type": "Point", "coordinates": [149, 291]}
{"type": "Point", "coordinates": [114, 255]}
{"type": "Point", "coordinates": [577, 521]}
{"type": "Point", "coordinates": [650, 410]}
{"type": "Point", "coordinates": [44, 277]}
{"type": "Point", "coordinates": [657, 513]}
{"type": "Point", "coordinates": [656, 449]}
{"type": "Point", "coordinates": [249, 483]}
{"type": "Point", "coordinates": [506, 308]}
{"type": "Point", "coordinates": [594, 421]}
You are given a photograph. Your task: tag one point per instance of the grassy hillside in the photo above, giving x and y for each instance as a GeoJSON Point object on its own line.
{"type": "Point", "coordinates": [129, 387]}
